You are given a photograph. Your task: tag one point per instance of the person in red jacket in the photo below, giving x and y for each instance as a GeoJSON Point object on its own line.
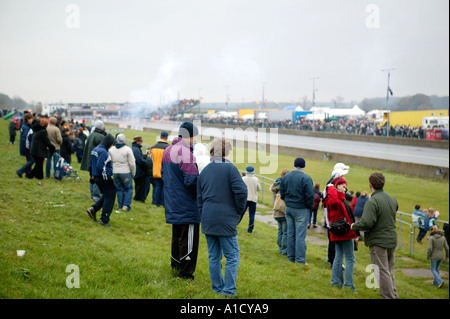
{"type": "Point", "coordinates": [337, 209]}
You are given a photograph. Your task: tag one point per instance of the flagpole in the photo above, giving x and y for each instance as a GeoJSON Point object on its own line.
{"type": "Point", "coordinates": [388, 90]}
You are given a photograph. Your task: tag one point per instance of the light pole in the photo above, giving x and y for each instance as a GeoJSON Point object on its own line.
{"type": "Point", "coordinates": [314, 89]}
{"type": "Point", "coordinates": [388, 91]}
{"type": "Point", "coordinates": [227, 97]}
{"type": "Point", "coordinates": [314, 98]}
{"type": "Point", "coordinates": [200, 101]}
{"type": "Point", "coordinates": [263, 99]}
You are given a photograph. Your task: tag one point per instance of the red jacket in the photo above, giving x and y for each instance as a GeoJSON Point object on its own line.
{"type": "Point", "coordinates": [353, 203]}
{"type": "Point", "coordinates": [335, 209]}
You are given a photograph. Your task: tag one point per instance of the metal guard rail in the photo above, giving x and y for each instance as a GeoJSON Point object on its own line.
{"type": "Point", "coordinates": [412, 233]}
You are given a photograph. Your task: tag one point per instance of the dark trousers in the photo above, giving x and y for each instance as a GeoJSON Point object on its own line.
{"type": "Point", "coordinates": [27, 167]}
{"type": "Point", "coordinates": [331, 249]}
{"type": "Point", "coordinates": [185, 248]}
{"type": "Point", "coordinates": [422, 233]}
{"type": "Point", "coordinates": [38, 169]}
{"type": "Point", "coordinates": [251, 214]}
{"type": "Point", "coordinates": [139, 188]}
{"type": "Point", "coordinates": [108, 190]}
{"type": "Point", "coordinates": [158, 194]}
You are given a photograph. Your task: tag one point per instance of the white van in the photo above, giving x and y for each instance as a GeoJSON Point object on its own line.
{"type": "Point", "coordinates": [431, 122]}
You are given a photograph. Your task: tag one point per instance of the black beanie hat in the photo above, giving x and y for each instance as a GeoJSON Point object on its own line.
{"type": "Point", "coordinates": [108, 141]}
{"type": "Point", "coordinates": [187, 130]}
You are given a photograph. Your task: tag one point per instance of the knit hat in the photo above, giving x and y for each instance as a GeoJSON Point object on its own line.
{"type": "Point", "coordinates": [99, 125]}
{"type": "Point", "coordinates": [120, 139]}
{"type": "Point", "coordinates": [250, 169]}
{"type": "Point", "coordinates": [339, 180]}
{"type": "Point", "coordinates": [164, 134]}
{"type": "Point", "coordinates": [187, 130]}
{"type": "Point", "coordinates": [299, 163]}
{"type": "Point", "coordinates": [108, 141]}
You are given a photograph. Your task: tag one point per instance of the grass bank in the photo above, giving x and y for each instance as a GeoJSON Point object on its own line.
{"type": "Point", "coordinates": [132, 259]}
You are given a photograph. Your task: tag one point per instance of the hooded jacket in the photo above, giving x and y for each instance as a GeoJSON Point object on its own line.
{"type": "Point", "coordinates": [26, 136]}
{"type": "Point", "coordinates": [100, 164]}
{"type": "Point", "coordinates": [123, 159]}
{"type": "Point", "coordinates": [436, 246]}
{"type": "Point", "coordinates": [179, 173]}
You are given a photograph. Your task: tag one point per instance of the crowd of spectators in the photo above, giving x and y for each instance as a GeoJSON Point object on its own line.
{"type": "Point", "coordinates": [341, 126]}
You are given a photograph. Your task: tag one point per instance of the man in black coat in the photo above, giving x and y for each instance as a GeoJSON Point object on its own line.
{"type": "Point", "coordinates": [40, 145]}
{"type": "Point", "coordinates": [141, 165]}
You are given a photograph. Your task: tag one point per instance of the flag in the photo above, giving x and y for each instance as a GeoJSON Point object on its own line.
{"type": "Point", "coordinates": [390, 91]}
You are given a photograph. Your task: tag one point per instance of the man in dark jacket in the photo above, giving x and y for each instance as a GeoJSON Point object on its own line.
{"type": "Point", "coordinates": [40, 146]}
{"type": "Point", "coordinates": [94, 139]}
{"type": "Point", "coordinates": [66, 146]}
{"type": "Point", "coordinates": [26, 135]}
{"type": "Point", "coordinates": [221, 199]}
{"type": "Point", "coordinates": [101, 172]}
{"type": "Point", "coordinates": [179, 173]}
{"type": "Point", "coordinates": [297, 191]}
{"type": "Point", "coordinates": [141, 167]}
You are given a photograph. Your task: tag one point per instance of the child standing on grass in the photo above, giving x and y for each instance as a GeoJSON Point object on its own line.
{"type": "Point", "coordinates": [436, 244]}
{"type": "Point", "coordinates": [418, 218]}
{"type": "Point", "coordinates": [12, 131]}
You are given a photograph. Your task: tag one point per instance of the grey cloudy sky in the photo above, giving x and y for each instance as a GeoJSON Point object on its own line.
{"type": "Point", "coordinates": [106, 51]}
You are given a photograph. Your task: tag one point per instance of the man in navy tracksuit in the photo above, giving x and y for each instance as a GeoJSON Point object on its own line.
{"type": "Point", "coordinates": [179, 173]}
{"type": "Point", "coordinates": [101, 172]}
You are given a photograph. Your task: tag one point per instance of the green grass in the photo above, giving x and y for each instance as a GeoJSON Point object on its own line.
{"type": "Point", "coordinates": [132, 259]}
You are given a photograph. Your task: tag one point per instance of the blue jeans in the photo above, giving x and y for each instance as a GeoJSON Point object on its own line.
{"type": "Point", "coordinates": [435, 263]}
{"type": "Point", "coordinates": [124, 185]}
{"type": "Point", "coordinates": [51, 157]}
{"type": "Point", "coordinates": [297, 223]}
{"type": "Point", "coordinates": [344, 249]}
{"type": "Point", "coordinates": [251, 214]}
{"type": "Point", "coordinates": [282, 236]}
{"type": "Point", "coordinates": [158, 194]}
{"type": "Point", "coordinates": [95, 192]}
{"type": "Point", "coordinates": [27, 167]}
{"type": "Point", "coordinates": [229, 247]}
{"type": "Point", "coordinates": [313, 217]}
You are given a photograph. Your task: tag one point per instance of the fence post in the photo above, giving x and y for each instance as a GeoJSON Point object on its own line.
{"type": "Point", "coordinates": [400, 232]}
{"type": "Point", "coordinates": [262, 189]}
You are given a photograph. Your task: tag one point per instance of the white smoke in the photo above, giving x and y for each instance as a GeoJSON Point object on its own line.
{"type": "Point", "coordinates": [163, 89]}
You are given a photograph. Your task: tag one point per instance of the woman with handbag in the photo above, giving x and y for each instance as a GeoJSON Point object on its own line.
{"type": "Point", "coordinates": [341, 234]}
{"type": "Point", "coordinates": [279, 208]}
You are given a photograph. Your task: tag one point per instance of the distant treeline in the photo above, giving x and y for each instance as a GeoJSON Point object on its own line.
{"type": "Point", "coordinates": [407, 103]}
{"type": "Point", "coordinates": [8, 103]}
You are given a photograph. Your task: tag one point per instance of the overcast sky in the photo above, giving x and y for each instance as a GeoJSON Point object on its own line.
{"type": "Point", "coordinates": [117, 51]}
